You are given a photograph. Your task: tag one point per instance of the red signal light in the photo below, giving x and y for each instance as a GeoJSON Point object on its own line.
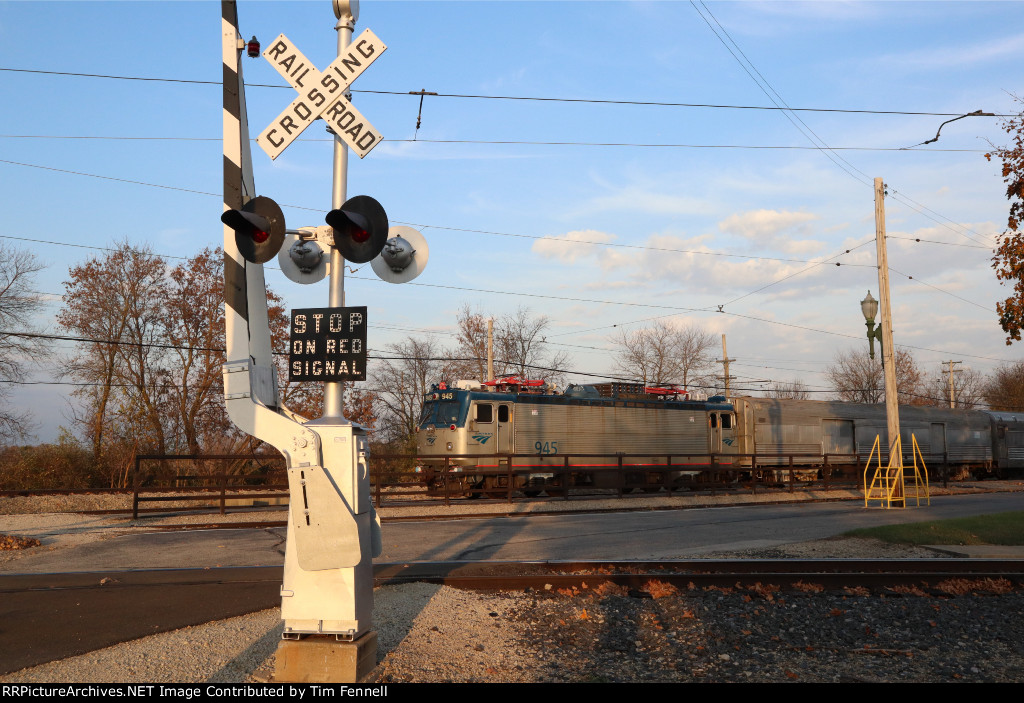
{"type": "Point", "coordinates": [259, 229]}
{"type": "Point", "coordinates": [360, 228]}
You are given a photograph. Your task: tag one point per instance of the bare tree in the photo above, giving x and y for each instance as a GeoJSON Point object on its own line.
{"type": "Point", "coordinates": [648, 355]}
{"type": "Point", "coordinates": [19, 305]}
{"type": "Point", "coordinates": [1005, 388]}
{"type": "Point", "coordinates": [400, 378]}
{"type": "Point", "coordinates": [857, 378]}
{"type": "Point", "coordinates": [788, 390]}
{"type": "Point", "coordinates": [664, 353]}
{"type": "Point", "coordinates": [471, 338]}
{"type": "Point", "coordinates": [968, 389]}
{"type": "Point", "coordinates": [523, 350]}
{"type": "Point", "coordinates": [693, 347]}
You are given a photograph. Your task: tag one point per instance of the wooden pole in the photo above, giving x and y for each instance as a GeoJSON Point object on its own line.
{"type": "Point", "coordinates": [490, 349]}
{"type": "Point", "coordinates": [892, 412]}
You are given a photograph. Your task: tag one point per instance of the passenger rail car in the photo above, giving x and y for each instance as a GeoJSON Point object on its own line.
{"type": "Point", "coordinates": [960, 438]}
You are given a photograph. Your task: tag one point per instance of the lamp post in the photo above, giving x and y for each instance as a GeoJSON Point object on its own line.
{"type": "Point", "coordinates": [869, 306]}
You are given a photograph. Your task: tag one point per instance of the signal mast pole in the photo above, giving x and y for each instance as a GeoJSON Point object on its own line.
{"type": "Point", "coordinates": [334, 393]}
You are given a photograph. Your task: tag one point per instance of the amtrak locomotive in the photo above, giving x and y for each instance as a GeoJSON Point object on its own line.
{"type": "Point", "coordinates": [477, 437]}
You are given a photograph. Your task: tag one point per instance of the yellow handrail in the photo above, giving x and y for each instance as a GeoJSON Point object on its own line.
{"type": "Point", "coordinates": [867, 467]}
{"type": "Point", "coordinates": [887, 483]}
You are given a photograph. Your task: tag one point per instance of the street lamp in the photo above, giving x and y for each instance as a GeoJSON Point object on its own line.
{"type": "Point", "coordinates": [869, 306]}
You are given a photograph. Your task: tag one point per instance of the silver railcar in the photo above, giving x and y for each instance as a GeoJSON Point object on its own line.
{"type": "Point", "coordinates": [846, 432]}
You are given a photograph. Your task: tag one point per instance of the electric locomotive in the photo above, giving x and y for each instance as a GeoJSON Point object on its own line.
{"type": "Point", "coordinates": [524, 435]}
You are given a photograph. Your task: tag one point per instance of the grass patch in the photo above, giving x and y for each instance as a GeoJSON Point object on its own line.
{"type": "Point", "coordinates": [1001, 528]}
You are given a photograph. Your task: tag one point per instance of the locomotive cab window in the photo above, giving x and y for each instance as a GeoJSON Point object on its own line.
{"type": "Point", "coordinates": [502, 413]}
{"type": "Point", "coordinates": [713, 419]}
{"type": "Point", "coordinates": [726, 421]}
{"type": "Point", "coordinates": [440, 413]}
{"type": "Point", "coordinates": [484, 412]}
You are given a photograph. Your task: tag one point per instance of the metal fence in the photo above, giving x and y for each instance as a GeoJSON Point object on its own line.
{"type": "Point", "coordinates": [156, 480]}
{"type": "Point", "coordinates": [396, 478]}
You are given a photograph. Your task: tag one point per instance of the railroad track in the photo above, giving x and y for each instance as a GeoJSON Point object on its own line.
{"type": "Point", "coordinates": [789, 574]}
{"type": "Point", "coordinates": [545, 575]}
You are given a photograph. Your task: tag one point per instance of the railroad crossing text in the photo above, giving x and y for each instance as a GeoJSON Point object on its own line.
{"type": "Point", "coordinates": [327, 344]}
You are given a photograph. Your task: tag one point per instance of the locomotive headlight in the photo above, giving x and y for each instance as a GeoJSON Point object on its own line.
{"type": "Point", "coordinates": [449, 446]}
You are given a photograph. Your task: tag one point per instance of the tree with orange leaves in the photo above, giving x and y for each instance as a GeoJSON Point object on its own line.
{"type": "Point", "coordinates": [1008, 261]}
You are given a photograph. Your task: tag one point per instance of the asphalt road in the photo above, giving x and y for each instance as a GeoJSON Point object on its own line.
{"type": "Point", "coordinates": [661, 534]}
{"type": "Point", "coordinates": [48, 617]}
{"type": "Point", "coordinates": [666, 534]}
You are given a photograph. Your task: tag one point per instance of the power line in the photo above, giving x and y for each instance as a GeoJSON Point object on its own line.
{"type": "Point", "coordinates": [938, 219]}
{"type": "Point", "coordinates": [935, 241]}
{"type": "Point", "coordinates": [555, 240]}
{"type": "Point", "coordinates": [765, 87]}
{"type": "Point", "coordinates": [838, 160]}
{"type": "Point", "coordinates": [793, 275]}
{"type": "Point", "coordinates": [945, 292]}
{"type": "Point", "coordinates": [473, 290]}
{"type": "Point", "coordinates": [110, 178]}
{"type": "Point", "coordinates": [595, 101]}
{"type": "Point", "coordinates": [413, 224]}
{"type": "Point", "coordinates": [514, 142]}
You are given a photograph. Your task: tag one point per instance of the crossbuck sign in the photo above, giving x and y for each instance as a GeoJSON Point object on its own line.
{"type": "Point", "coordinates": [321, 94]}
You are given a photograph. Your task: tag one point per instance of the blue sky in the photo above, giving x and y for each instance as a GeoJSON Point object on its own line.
{"type": "Point", "coordinates": [682, 196]}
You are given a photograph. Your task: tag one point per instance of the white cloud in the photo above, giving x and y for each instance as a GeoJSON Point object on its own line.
{"type": "Point", "coordinates": [765, 223]}
{"type": "Point", "coordinates": [775, 229]}
{"type": "Point", "coordinates": [572, 246]}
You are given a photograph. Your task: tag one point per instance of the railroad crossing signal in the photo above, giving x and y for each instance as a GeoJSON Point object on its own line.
{"type": "Point", "coordinates": [360, 228]}
{"type": "Point", "coordinates": [259, 229]}
{"type": "Point", "coordinates": [321, 94]}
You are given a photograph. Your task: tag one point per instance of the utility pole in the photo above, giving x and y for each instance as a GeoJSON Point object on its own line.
{"type": "Point", "coordinates": [490, 349]}
{"type": "Point", "coordinates": [892, 412]}
{"type": "Point", "coordinates": [952, 396]}
{"type": "Point", "coordinates": [725, 364]}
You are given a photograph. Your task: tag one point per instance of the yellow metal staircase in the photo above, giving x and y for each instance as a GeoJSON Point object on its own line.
{"type": "Point", "coordinates": [888, 485]}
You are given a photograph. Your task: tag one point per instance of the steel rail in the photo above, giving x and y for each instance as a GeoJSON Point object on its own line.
{"type": "Point", "coordinates": [640, 577]}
